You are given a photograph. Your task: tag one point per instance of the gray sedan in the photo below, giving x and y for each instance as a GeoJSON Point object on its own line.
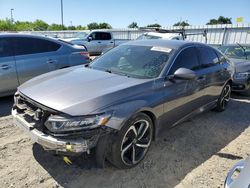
{"type": "Point", "coordinates": [23, 57]}
{"type": "Point", "coordinates": [117, 105]}
{"type": "Point", "coordinates": [240, 55]}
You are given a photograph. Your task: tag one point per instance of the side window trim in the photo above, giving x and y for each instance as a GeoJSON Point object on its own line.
{"type": "Point", "coordinates": [11, 45]}
{"type": "Point", "coordinates": [49, 42]}
{"type": "Point", "coordinates": [192, 46]}
{"type": "Point", "coordinates": [200, 55]}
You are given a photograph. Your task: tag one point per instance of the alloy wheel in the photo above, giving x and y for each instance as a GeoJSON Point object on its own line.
{"type": "Point", "coordinates": [136, 142]}
{"type": "Point", "coordinates": [225, 96]}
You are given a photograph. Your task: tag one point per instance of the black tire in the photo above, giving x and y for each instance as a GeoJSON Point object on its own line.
{"type": "Point", "coordinates": [132, 142]}
{"type": "Point", "coordinates": [224, 98]}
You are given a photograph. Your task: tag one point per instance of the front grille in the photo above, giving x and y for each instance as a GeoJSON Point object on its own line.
{"type": "Point", "coordinates": [34, 115]}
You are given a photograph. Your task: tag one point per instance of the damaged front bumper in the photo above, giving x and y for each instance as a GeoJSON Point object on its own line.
{"type": "Point", "coordinates": [75, 145]}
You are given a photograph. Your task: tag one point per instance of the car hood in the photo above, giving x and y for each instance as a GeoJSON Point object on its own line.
{"type": "Point", "coordinates": [80, 90]}
{"type": "Point", "coordinates": [241, 65]}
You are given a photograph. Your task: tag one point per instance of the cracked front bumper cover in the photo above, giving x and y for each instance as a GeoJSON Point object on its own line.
{"type": "Point", "coordinates": [48, 142]}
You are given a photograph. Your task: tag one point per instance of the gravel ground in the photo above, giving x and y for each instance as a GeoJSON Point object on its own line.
{"type": "Point", "coordinates": [197, 153]}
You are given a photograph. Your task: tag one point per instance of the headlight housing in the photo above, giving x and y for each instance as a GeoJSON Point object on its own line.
{"type": "Point", "coordinates": [241, 75]}
{"type": "Point", "coordinates": [58, 124]}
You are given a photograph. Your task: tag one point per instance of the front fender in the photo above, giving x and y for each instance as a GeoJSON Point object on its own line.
{"type": "Point", "coordinates": [124, 111]}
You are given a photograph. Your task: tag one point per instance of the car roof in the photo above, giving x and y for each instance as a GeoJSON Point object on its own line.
{"type": "Point", "coordinates": [173, 44]}
{"type": "Point", "coordinates": [25, 35]}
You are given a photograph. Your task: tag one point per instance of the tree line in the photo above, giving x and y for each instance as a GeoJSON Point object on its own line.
{"type": "Point", "coordinates": [40, 25]}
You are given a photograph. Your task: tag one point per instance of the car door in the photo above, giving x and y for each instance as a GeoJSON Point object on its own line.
{"type": "Point", "coordinates": [34, 56]}
{"type": "Point", "coordinates": [182, 96]}
{"type": "Point", "coordinates": [8, 76]}
{"type": "Point", "coordinates": [212, 71]}
{"type": "Point", "coordinates": [93, 45]}
{"type": "Point", "coordinates": [105, 41]}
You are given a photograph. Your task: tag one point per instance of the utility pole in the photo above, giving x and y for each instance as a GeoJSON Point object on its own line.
{"type": "Point", "coordinates": [11, 16]}
{"type": "Point", "coordinates": [62, 12]}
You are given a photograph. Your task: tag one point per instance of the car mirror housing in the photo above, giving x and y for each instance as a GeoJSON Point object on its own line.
{"type": "Point", "coordinates": [183, 73]}
{"type": "Point", "coordinates": [90, 39]}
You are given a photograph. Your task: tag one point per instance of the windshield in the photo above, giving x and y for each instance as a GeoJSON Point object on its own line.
{"type": "Point", "coordinates": [134, 61]}
{"type": "Point", "coordinates": [80, 35]}
{"type": "Point", "coordinates": [147, 37]}
{"type": "Point", "coordinates": [236, 51]}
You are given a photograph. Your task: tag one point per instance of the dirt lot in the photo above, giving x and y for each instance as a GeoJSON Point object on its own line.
{"type": "Point", "coordinates": [197, 153]}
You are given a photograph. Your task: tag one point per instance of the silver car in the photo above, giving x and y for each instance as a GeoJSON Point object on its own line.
{"type": "Point", "coordinates": [23, 57]}
{"type": "Point", "coordinates": [117, 105]}
{"type": "Point", "coordinates": [239, 175]}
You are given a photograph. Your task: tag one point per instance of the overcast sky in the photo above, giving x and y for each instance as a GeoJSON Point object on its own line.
{"type": "Point", "coordinates": [120, 13]}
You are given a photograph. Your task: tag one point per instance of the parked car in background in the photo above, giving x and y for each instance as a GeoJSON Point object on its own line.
{"type": "Point", "coordinates": [97, 41]}
{"type": "Point", "coordinates": [23, 57]}
{"type": "Point", "coordinates": [158, 35]}
{"type": "Point", "coordinates": [117, 105]}
{"type": "Point", "coordinates": [239, 175]}
{"type": "Point", "coordinates": [240, 55]}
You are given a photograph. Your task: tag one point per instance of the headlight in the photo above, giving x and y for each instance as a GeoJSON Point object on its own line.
{"type": "Point", "coordinates": [57, 123]}
{"type": "Point", "coordinates": [241, 76]}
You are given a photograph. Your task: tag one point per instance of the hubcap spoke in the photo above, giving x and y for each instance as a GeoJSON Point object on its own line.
{"type": "Point", "coordinates": [143, 130]}
{"type": "Point", "coordinates": [142, 145]}
{"type": "Point", "coordinates": [133, 155]}
{"type": "Point", "coordinates": [126, 148]}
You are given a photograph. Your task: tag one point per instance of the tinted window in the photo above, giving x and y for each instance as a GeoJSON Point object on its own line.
{"type": "Point", "coordinates": [186, 59]}
{"type": "Point", "coordinates": [105, 36]}
{"type": "Point", "coordinates": [208, 57]}
{"type": "Point", "coordinates": [101, 36]}
{"type": "Point", "coordinates": [5, 47]}
{"type": "Point", "coordinates": [32, 46]}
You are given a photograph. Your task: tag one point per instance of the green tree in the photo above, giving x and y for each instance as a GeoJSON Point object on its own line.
{"type": "Point", "coordinates": [24, 26]}
{"type": "Point", "coordinates": [154, 25]}
{"type": "Point", "coordinates": [133, 25]}
{"type": "Point", "coordinates": [7, 25]}
{"type": "Point", "coordinates": [56, 27]}
{"type": "Point", "coordinates": [79, 27]}
{"type": "Point", "coordinates": [93, 26]}
{"type": "Point", "coordinates": [71, 27]}
{"type": "Point", "coordinates": [220, 20]}
{"type": "Point", "coordinates": [104, 26]}
{"type": "Point", "coordinates": [40, 25]}
{"type": "Point", "coordinates": [183, 24]}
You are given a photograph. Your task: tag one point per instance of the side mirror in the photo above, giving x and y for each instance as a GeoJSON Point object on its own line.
{"type": "Point", "coordinates": [90, 39]}
{"type": "Point", "coordinates": [185, 74]}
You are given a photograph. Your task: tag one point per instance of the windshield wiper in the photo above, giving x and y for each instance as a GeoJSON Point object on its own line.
{"type": "Point", "coordinates": [242, 47]}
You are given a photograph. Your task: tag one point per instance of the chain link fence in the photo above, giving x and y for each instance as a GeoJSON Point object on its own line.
{"type": "Point", "coordinates": [216, 34]}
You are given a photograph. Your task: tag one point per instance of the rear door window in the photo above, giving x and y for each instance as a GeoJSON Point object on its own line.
{"type": "Point", "coordinates": [208, 57]}
{"type": "Point", "coordinates": [25, 45]}
{"type": "Point", "coordinates": [5, 47]}
{"type": "Point", "coordinates": [105, 36]}
{"type": "Point", "coordinates": [186, 59]}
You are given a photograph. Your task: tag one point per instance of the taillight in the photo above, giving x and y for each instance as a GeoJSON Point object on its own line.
{"type": "Point", "coordinates": [85, 54]}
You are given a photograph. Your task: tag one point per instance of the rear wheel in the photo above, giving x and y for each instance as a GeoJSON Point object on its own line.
{"type": "Point", "coordinates": [132, 142]}
{"type": "Point", "coordinates": [224, 98]}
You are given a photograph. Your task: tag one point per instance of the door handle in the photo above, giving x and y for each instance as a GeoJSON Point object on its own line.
{"type": "Point", "coordinates": [112, 42]}
{"type": "Point", "coordinates": [5, 67]}
{"type": "Point", "coordinates": [51, 61]}
{"type": "Point", "coordinates": [99, 42]}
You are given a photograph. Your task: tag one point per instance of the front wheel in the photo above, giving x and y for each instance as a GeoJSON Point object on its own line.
{"type": "Point", "coordinates": [132, 142]}
{"type": "Point", "coordinates": [224, 98]}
